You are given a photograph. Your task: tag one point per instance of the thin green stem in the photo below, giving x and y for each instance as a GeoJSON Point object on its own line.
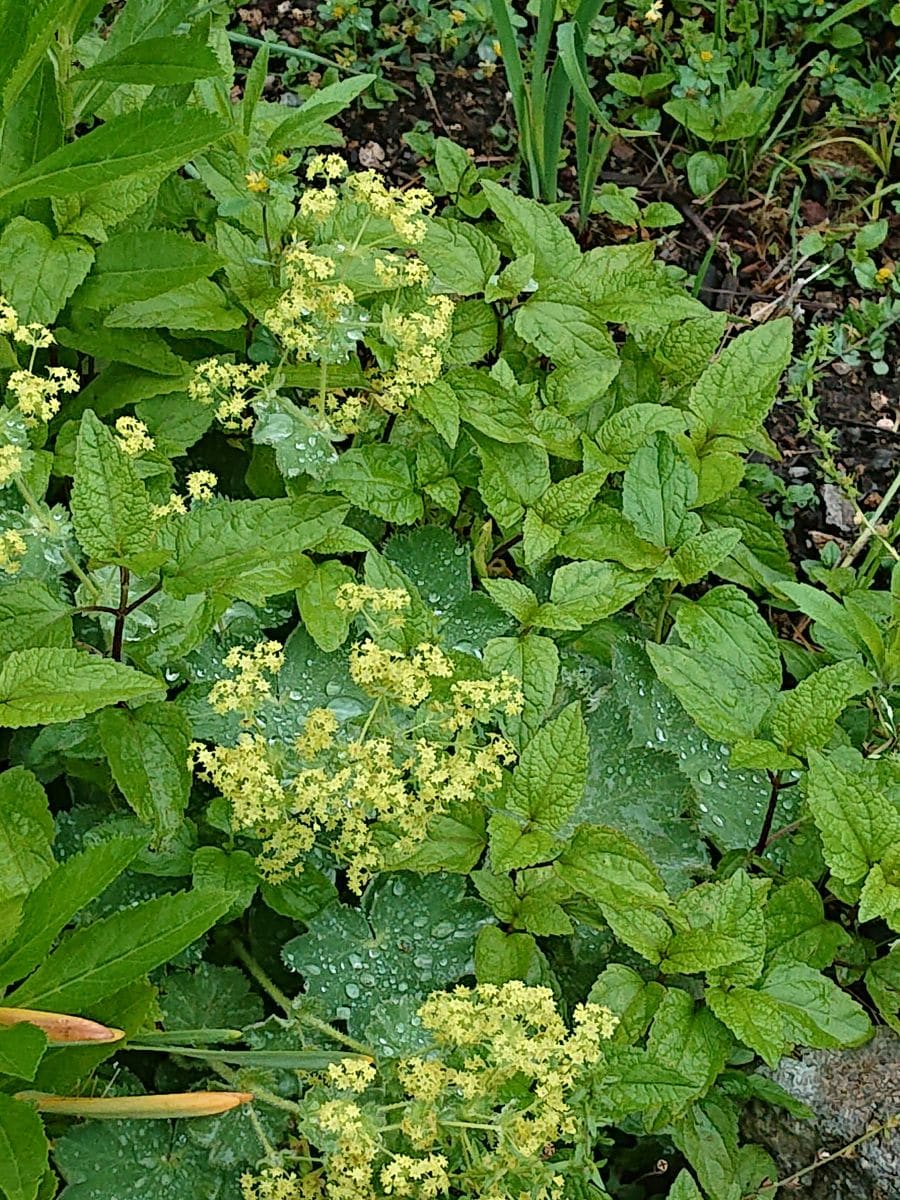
{"type": "Point", "coordinates": [663, 612]}
{"type": "Point", "coordinates": [290, 1008]}
{"type": "Point", "coordinates": [285, 51]}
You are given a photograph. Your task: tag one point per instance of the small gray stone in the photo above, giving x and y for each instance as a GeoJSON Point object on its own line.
{"type": "Point", "coordinates": [849, 1091]}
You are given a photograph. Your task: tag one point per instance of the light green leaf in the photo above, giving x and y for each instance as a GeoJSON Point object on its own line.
{"type": "Point", "coordinates": [533, 229]}
{"type": "Point", "coordinates": [727, 935]}
{"type": "Point", "coordinates": [500, 957]}
{"type": "Point", "coordinates": [307, 126]}
{"type": "Point", "coordinates": [104, 957]}
{"type": "Point", "coordinates": [111, 509]}
{"type": "Point", "coordinates": [41, 686]}
{"type": "Point", "coordinates": [815, 1010]}
{"type": "Point", "coordinates": [796, 928]}
{"type": "Point", "coordinates": [136, 266]}
{"type": "Point", "coordinates": [379, 479]}
{"type": "Point", "coordinates": [248, 548]}
{"type": "Point", "coordinates": [658, 489]}
{"type": "Point", "coordinates": [31, 615]}
{"type": "Point", "coordinates": [684, 1188]}
{"type": "Point", "coordinates": [24, 1150]}
{"type": "Point", "coordinates": [438, 403]}
{"type": "Point", "coordinates": [328, 625]}
{"type": "Point", "coordinates": [590, 591]}
{"type": "Point", "coordinates": [26, 831]}
{"type": "Point", "coordinates": [151, 140]}
{"type": "Point", "coordinates": [460, 255]}
{"type": "Point", "coordinates": [699, 555]}
{"type": "Point", "coordinates": [157, 61]}
{"type": "Point", "coordinates": [491, 407]}
{"type": "Point", "coordinates": [689, 1039]}
{"type": "Point", "coordinates": [38, 272]}
{"type": "Point", "coordinates": [605, 534]}
{"type": "Point", "coordinates": [734, 394]}
{"type": "Point", "coordinates": [21, 1050]}
{"type": "Point", "coordinates": [569, 334]}
{"type": "Point", "coordinates": [881, 892]}
{"type": "Point", "coordinates": [534, 660]}
{"type": "Point", "coordinates": [68, 889]}
{"type": "Point", "coordinates": [147, 749]}
{"type": "Point", "coordinates": [727, 669]}
{"type": "Point", "coordinates": [513, 597]}
{"type": "Point", "coordinates": [630, 428]}
{"type": "Point", "coordinates": [805, 718]}
{"type": "Point", "coordinates": [548, 780]}
{"type": "Point", "coordinates": [753, 1017]}
{"type": "Point", "coordinates": [197, 305]}
{"type": "Point", "coordinates": [857, 822]}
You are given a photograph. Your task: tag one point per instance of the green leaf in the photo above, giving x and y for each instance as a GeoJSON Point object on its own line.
{"type": "Point", "coordinates": [609, 868]}
{"type": "Point", "coordinates": [147, 749]}
{"type": "Point", "coordinates": [356, 960]}
{"type": "Point", "coordinates": [307, 126]}
{"type": "Point", "coordinates": [881, 892]}
{"type": "Point", "coordinates": [152, 140]}
{"type": "Point", "coordinates": [107, 955]}
{"type": "Point", "coordinates": [700, 555]}
{"type": "Point", "coordinates": [659, 488]}
{"type": "Point", "coordinates": [493, 408]}
{"type": "Point", "coordinates": [857, 822]}
{"type": "Point", "coordinates": [197, 305]}
{"type": "Point", "coordinates": [233, 872]}
{"type": "Point", "coordinates": [209, 997]}
{"type": "Point", "coordinates": [21, 1050]}
{"type": "Point", "coordinates": [816, 1011]}
{"type": "Point", "coordinates": [605, 534]}
{"type": "Point", "coordinates": [136, 266]}
{"type": "Point", "coordinates": [796, 928]}
{"type": "Point", "coordinates": [630, 428]}
{"type": "Point", "coordinates": [24, 1150]}
{"type": "Point", "coordinates": [38, 272]}
{"type": "Point", "coordinates": [248, 548]}
{"type": "Point", "coordinates": [26, 831]}
{"type": "Point", "coordinates": [302, 441]}
{"type": "Point", "coordinates": [687, 1038]}
{"type": "Point", "coordinates": [534, 660]}
{"type": "Point", "coordinates": [328, 625]}
{"type": "Point", "coordinates": [548, 780]}
{"type": "Point", "coordinates": [379, 479]}
{"type": "Point", "coordinates": [570, 335]}
{"type": "Point", "coordinates": [804, 718]}
{"type": "Point", "coordinates": [533, 229]}
{"type": "Point", "coordinates": [513, 597]}
{"type": "Point", "coordinates": [734, 393]}
{"type": "Point", "coordinates": [684, 1188]}
{"type": "Point", "coordinates": [55, 900]}
{"type": "Point", "coordinates": [883, 982]}
{"type": "Point", "coordinates": [726, 670]}
{"type": "Point", "coordinates": [157, 61]}
{"type": "Point", "coordinates": [31, 615]}
{"type": "Point", "coordinates": [500, 957]}
{"type": "Point", "coordinates": [111, 509]}
{"type": "Point", "coordinates": [44, 686]}
{"type": "Point", "coordinates": [727, 936]}
{"type": "Point", "coordinates": [460, 255]}
{"type": "Point", "coordinates": [589, 591]}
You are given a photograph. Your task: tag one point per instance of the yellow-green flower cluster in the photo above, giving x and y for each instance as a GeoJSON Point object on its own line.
{"type": "Point", "coordinates": [318, 203]}
{"type": "Point", "coordinates": [403, 209]}
{"type": "Point", "coordinates": [394, 271]}
{"type": "Point", "coordinates": [32, 334]}
{"type": "Point", "coordinates": [475, 700]}
{"type": "Point", "coordinates": [12, 551]}
{"type": "Point", "coordinates": [312, 310]}
{"type": "Point", "coordinates": [133, 436]}
{"type": "Point", "coordinates": [272, 1183]}
{"type": "Point", "coordinates": [418, 339]}
{"type": "Point", "coordinates": [37, 396]}
{"type": "Point", "coordinates": [248, 687]}
{"type": "Point", "coordinates": [354, 597]}
{"type": "Point", "coordinates": [351, 1163]}
{"type": "Point", "coordinates": [420, 1177]}
{"type": "Point", "coordinates": [405, 678]}
{"type": "Point", "coordinates": [351, 1074]}
{"type": "Point", "coordinates": [200, 485]}
{"type": "Point", "coordinates": [11, 462]}
{"type": "Point", "coordinates": [231, 387]}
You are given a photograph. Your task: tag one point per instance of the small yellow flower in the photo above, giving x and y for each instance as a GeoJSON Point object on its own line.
{"type": "Point", "coordinates": [11, 459]}
{"type": "Point", "coordinates": [200, 485]}
{"type": "Point", "coordinates": [249, 686]}
{"type": "Point", "coordinates": [174, 506]}
{"type": "Point", "coordinates": [280, 160]}
{"type": "Point", "coordinates": [256, 181]}
{"type": "Point", "coordinates": [497, 48]}
{"type": "Point", "coordinates": [12, 551]}
{"type": "Point", "coordinates": [884, 274]}
{"type": "Point", "coordinates": [457, 16]}
{"type": "Point", "coordinates": [706, 56]}
{"type": "Point", "coordinates": [654, 12]}
{"type": "Point", "coordinates": [134, 436]}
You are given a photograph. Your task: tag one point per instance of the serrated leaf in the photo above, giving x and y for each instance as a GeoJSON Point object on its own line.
{"type": "Point", "coordinates": [56, 899]}
{"type": "Point", "coordinates": [31, 615]}
{"type": "Point", "coordinates": [727, 669]}
{"type": "Point", "coordinates": [24, 1150]}
{"type": "Point", "coordinates": [197, 305]}
{"type": "Point", "coordinates": [107, 955]}
{"type": "Point", "coordinates": [548, 780]}
{"type": "Point", "coordinates": [700, 555]}
{"type": "Point", "coordinates": [157, 61]}
{"type": "Point", "coordinates": [42, 686]}
{"type": "Point", "coordinates": [857, 822]}
{"type": "Point", "coordinates": [658, 490]}
{"type": "Point", "coordinates": [605, 534]}
{"type": "Point", "coordinates": [460, 255]}
{"type": "Point", "coordinates": [152, 140]}
{"type": "Point", "coordinates": [533, 229]}
{"type": "Point", "coordinates": [726, 938]}
{"type": "Point", "coordinates": [136, 266]}
{"type": "Point", "coordinates": [589, 591]}
{"type": "Point", "coordinates": [248, 548]}
{"type": "Point", "coordinates": [26, 831]}
{"type": "Point", "coordinates": [796, 928]}
{"type": "Point", "coordinates": [209, 997]}
{"type": "Point", "coordinates": [328, 625]}
{"type": "Point", "coordinates": [534, 660]}
{"type": "Point", "coordinates": [147, 749]}
{"type": "Point", "coordinates": [111, 509]}
{"type": "Point", "coordinates": [734, 393]}
{"type": "Point", "coordinates": [804, 718]}
{"type": "Point", "coordinates": [380, 480]}
{"type": "Point", "coordinates": [500, 957]}
{"type": "Point", "coordinates": [412, 935]}
{"type": "Point", "coordinates": [38, 272]}
{"type": "Point", "coordinates": [689, 1039]}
